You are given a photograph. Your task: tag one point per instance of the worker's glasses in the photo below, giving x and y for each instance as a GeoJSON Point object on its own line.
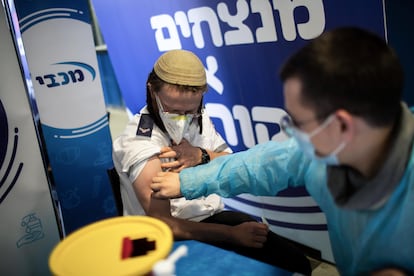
{"type": "Point", "coordinates": [290, 127]}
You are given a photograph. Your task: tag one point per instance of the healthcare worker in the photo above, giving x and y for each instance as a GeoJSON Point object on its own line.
{"type": "Point", "coordinates": [173, 132]}
{"type": "Point", "coordinates": [351, 147]}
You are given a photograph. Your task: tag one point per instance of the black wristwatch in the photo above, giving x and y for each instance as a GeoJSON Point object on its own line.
{"type": "Point", "coordinates": [205, 158]}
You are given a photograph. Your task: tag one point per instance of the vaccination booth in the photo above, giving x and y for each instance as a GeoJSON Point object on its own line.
{"type": "Point", "coordinates": [64, 62]}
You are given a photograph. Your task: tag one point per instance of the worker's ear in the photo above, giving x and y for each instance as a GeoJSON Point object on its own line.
{"type": "Point", "coordinates": [346, 124]}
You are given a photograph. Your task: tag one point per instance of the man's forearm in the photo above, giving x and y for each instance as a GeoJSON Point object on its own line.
{"type": "Point", "coordinates": [206, 232]}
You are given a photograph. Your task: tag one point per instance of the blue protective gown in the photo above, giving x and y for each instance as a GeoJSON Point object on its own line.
{"type": "Point", "coordinates": [361, 241]}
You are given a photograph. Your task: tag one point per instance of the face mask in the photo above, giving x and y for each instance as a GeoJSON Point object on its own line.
{"type": "Point", "coordinates": [304, 141]}
{"type": "Point", "coordinates": [175, 124]}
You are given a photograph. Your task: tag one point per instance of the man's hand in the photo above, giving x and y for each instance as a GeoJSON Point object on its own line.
{"type": "Point", "coordinates": [166, 185]}
{"type": "Point", "coordinates": [251, 234]}
{"type": "Point", "coordinates": [184, 155]}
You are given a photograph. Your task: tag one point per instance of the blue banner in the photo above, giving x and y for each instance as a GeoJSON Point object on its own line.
{"type": "Point", "coordinates": [241, 43]}
{"type": "Point", "coordinates": [58, 42]}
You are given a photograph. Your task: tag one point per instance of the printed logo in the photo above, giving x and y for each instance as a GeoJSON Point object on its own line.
{"type": "Point", "coordinates": [10, 173]}
{"type": "Point", "coordinates": [66, 77]}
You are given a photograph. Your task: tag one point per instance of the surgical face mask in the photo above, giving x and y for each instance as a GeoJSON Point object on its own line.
{"type": "Point", "coordinates": [175, 124]}
{"type": "Point", "coordinates": [304, 140]}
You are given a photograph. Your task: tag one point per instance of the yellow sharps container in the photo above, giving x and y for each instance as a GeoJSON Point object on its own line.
{"type": "Point", "coordinates": [128, 245]}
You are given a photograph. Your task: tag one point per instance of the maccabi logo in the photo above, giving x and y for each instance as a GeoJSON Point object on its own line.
{"type": "Point", "coordinates": [10, 174]}
{"type": "Point", "coordinates": [66, 77]}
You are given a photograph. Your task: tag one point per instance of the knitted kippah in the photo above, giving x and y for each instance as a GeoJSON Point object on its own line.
{"type": "Point", "coordinates": [180, 67]}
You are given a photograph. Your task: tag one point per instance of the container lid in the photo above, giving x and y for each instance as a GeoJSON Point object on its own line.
{"type": "Point", "coordinates": [128, 245]}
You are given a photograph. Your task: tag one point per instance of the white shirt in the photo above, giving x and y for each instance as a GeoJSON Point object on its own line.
{"type": "Point", "coordinates": [131, 152]}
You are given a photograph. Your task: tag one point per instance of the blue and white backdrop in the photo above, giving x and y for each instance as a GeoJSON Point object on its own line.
{"type": "Point", "coordinates": [60, 52]}
{"type": "Point", "coordinates": [242, 44]}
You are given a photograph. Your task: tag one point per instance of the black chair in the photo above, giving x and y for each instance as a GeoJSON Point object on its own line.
{"type": "Point", "coordinates": [116, 190]}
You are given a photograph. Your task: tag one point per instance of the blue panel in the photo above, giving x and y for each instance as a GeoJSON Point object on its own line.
{"type": "Point", "coordinates": [68, 92]}
{"type": "Point", "coordinates": [401, 38]}
{"type": "Point", "coordinates": [242, 56]}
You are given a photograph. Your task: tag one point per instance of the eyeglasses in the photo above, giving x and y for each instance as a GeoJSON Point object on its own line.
{"type": "Point", "coordinates": [194, 115]}
{"type": "Point", "coordinates": [289, 126]}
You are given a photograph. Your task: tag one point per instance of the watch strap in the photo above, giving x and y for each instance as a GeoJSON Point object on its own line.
{"type": "Point", "coordinates": [205, 157]}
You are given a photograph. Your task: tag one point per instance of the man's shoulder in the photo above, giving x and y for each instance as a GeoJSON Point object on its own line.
{"type": "Point", "coordinates": [145, 125]}
{"type": "Point", "coordinates": [141, 129]}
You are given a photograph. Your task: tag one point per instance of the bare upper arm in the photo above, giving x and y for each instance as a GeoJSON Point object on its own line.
{"type": "Point", "coordinates": [143, 190]}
